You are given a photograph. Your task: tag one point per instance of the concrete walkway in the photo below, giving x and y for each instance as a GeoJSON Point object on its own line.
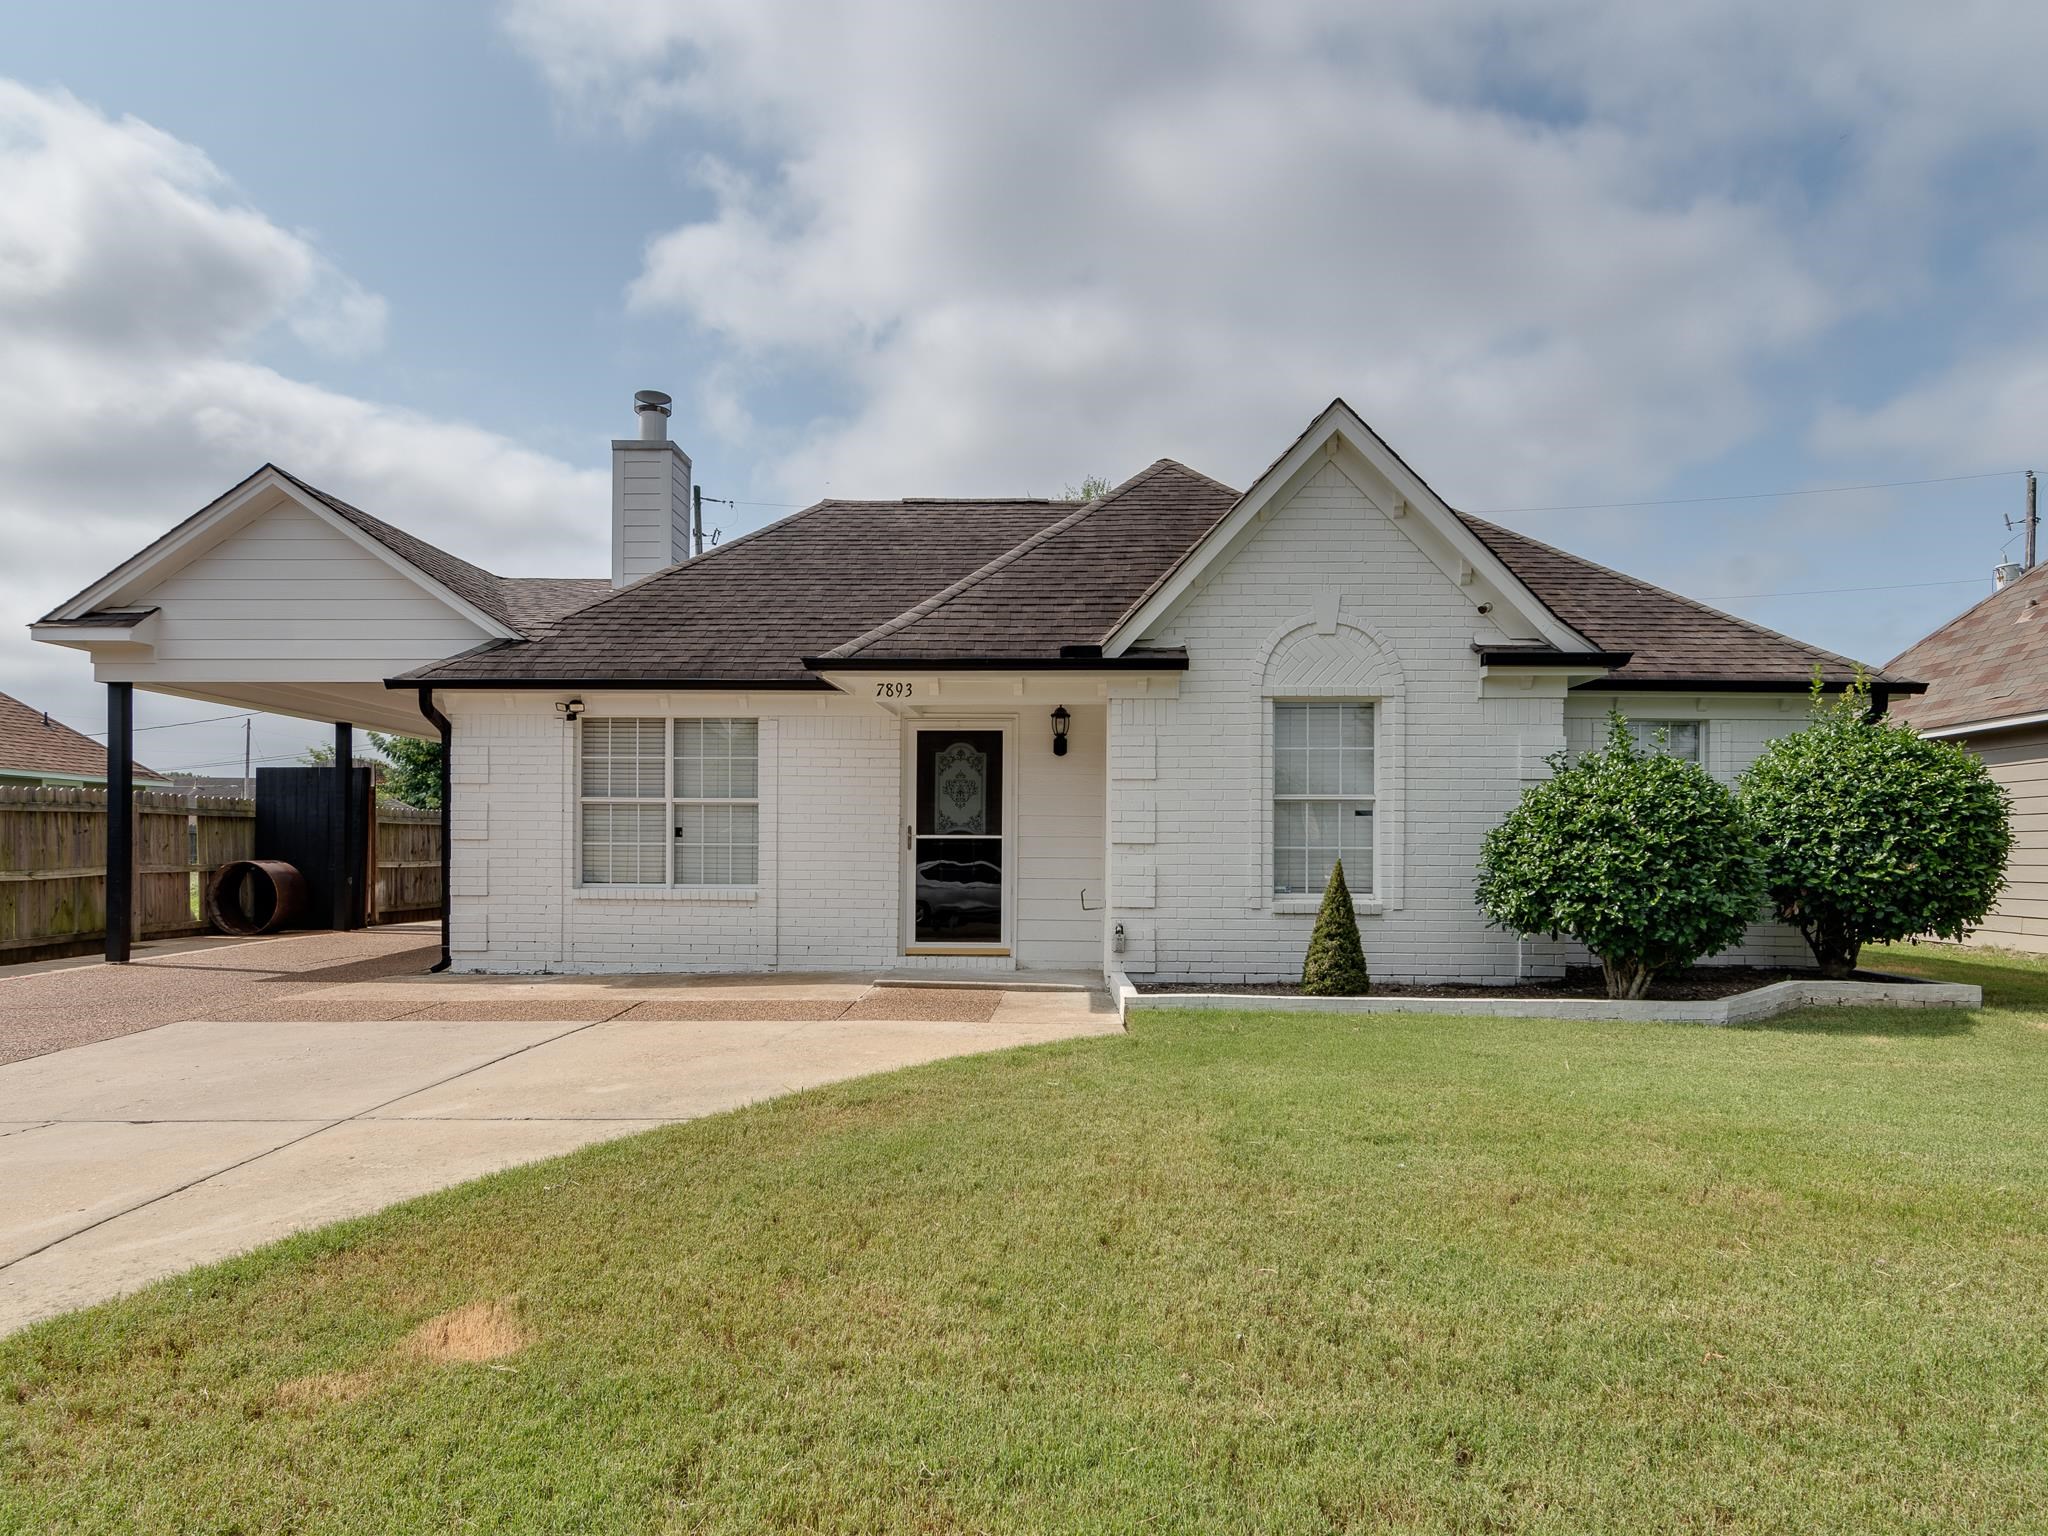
{"type": "Point", "coordinates": [135, 1157]}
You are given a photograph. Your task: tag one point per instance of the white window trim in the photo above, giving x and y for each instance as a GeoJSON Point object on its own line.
{"type": "Point", "coordinates": [1296, 902]}
{"type": "Point", "coordinates": [668, 889]}
{"type": "Point", "coordinates": [1285, 900]}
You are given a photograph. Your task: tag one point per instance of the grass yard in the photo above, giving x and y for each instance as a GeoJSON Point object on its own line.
{"type": "Point", "coordinates": [1233, 1272]}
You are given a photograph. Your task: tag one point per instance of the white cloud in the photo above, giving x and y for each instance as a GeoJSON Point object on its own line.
{"type": "Point", "coordinates": [135, 291]}
{"type": "Point", "coordinates": [1985, 412]}
{"type": "Point", "coordinates": [1546, 249]}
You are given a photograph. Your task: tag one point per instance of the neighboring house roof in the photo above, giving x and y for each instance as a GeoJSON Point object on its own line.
{"type": "Point", "coordinates": [1990, 662]}
{"type": "Point", "coordinates": [34, 744]}
{"type": "Point", "coordinates": [1671, 640]}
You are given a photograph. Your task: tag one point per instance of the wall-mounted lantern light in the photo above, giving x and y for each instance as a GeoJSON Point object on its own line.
{"type": "Point", "coordinates": [1060, 721]}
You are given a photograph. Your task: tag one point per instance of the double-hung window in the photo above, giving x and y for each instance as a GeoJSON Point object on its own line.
{"type": "Point", "coordinates": [625, 802]}
{"type": "Point", "coordinates": [651, 785]}
{"type": "Point", "coordinates": [718, 806]}
{"type": "Point", "coordinates": [1680, 738]}
{"type": "Point", "coordinates": [1322, 796]}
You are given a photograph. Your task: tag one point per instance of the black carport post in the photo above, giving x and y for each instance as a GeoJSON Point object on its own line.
{"type": "Point", "coordinates": [344, 817]}
{"type": "Point", "coordinates": [120, 881]}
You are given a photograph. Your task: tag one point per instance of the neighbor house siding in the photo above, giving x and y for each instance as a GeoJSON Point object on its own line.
{"type": "Point", "coordinates": [2019, 761]}
{"type": "Point", "coordinates": [829, 893]}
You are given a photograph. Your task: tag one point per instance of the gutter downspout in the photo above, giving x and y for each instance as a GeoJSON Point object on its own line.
{"type": "Point", "coordinates": [441, 723]}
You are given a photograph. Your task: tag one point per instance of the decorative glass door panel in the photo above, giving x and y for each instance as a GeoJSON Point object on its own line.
{"type": "Point", "coordinates": [957, 838]}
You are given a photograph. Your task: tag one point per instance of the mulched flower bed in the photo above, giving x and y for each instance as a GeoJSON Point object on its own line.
{"type": "Point", "coordinates": [1700, 983]}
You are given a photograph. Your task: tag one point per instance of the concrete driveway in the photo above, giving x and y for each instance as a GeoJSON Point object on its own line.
{"type": "Point", "coordinates": [131, 1158]}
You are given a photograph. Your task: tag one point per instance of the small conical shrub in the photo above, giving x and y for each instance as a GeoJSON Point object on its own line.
{"type": "Point", "coordinates": [1336, 957]}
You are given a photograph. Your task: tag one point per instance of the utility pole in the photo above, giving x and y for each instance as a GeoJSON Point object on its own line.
{"type": "Point", "coordinates": [248, 777]}
{"type": "Point", "coordinates": [697, 514]}
{"type": "Point", "coordinates": [2033, 521]}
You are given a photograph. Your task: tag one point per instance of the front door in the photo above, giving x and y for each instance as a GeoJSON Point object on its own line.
{"type": "Point", "coordinates": [956, 838]}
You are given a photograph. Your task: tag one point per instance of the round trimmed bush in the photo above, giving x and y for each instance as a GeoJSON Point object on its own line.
{"type": "Point", "coordinates": [1869, 832]}
{"type": "Point", "coordinates": [1640, 856]}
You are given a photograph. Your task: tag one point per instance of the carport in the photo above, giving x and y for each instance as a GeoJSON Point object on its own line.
{"type": "Point", "coordinates": [279, 598]}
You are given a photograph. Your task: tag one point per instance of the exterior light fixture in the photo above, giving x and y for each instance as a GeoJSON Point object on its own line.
{"type": "Point", "coordinates": [570, 710]}
{"type": "Point", "coordinates": [1060, 720]}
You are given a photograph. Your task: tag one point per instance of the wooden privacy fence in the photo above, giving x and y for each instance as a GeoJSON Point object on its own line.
{"type": "Point", "coordinates": [405, 864]}
{"type": "Point", "coordinates": [53, 862]}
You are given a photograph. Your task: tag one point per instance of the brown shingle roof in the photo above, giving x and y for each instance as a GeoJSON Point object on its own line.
{"type": "Point", "coordinates": [1989, 662]}
{"type": "Point", "coordinates": [909, 581]}
{"type": "Point", "coordinates": [31, 742]}
{"type": "Point", "coordinates": [1670, 639]}
{"type": "Point", "coordinates": [750, 610]}
{"type": "Point", "coordinates": [1068, 584]}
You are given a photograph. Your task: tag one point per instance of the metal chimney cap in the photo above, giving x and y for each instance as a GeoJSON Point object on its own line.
{"type": "Point", "coordinates": [651, 400]}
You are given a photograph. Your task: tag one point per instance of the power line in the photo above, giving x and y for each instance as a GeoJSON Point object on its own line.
{"type": "Point", "coordinates": [1694, 501]}
{"type": "Point", "coordinates": [172, 725]}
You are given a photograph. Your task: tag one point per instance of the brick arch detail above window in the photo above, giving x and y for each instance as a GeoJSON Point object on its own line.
{"type": "Point", "coordinates": [1324, 657]}
{"type": "Point", "coordinates": [1328, 654]}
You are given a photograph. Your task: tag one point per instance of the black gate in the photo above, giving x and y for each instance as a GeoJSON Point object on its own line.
{"type": "Point", "coordinates": [297, 821]}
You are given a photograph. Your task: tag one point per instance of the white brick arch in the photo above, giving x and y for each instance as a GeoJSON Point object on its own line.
{"type": "Point", "coordinates": [1331, 658]}
{"type": "Point", "coordinates": [1327, 655]}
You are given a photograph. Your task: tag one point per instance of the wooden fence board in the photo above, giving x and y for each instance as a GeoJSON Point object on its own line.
{"type": "Point", "coordinates": [53, 851]}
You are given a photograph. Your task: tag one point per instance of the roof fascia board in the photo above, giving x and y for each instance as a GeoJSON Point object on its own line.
{"type": "Point", "coordinates": [173, 549]}
{"type": "Point", "coordinates": [1310, 451]}
{"type": "Point", "coordinates": [615, 684]}
{"type": "Point", "coordinates": [85, 637]}
{"type": "Point", "coordinates": [1979, 727]}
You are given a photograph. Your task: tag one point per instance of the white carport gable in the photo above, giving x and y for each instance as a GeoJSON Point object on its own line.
{"type": "Point", "coordinates": [270, 598]}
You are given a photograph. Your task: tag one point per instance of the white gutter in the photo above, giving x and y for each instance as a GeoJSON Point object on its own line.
{"type": "Point", "coordinates": [1977, 727]}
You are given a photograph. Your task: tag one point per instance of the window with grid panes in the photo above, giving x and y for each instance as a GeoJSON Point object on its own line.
{"type": "Point", "coordinates": [649, 784]}
{"type": "Point", "coordinates": [1322, 796]}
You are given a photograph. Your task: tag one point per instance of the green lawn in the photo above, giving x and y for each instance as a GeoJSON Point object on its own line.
{"type": "Point", "coordinates": [1232, 1272]}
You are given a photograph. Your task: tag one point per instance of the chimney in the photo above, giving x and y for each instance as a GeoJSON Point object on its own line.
{"type": "Point", "coordinates": [2007, 573]}
{"type": "Point", "coordinates": [650, 495]}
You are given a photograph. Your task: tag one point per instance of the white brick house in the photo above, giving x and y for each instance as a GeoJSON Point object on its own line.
{"type": "Point", "coordinates": [967, 735]}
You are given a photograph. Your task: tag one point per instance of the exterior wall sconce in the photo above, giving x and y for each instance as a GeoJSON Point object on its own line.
{"type": "Point", "coordinates": [1060, 720]}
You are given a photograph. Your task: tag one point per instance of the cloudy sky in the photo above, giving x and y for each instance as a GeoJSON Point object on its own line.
{"type": "Point", "coordinates": [1608, 253]}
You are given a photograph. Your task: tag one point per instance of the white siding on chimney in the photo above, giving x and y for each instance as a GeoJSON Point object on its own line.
{"type": "Point", "coordinates": [650, 508]}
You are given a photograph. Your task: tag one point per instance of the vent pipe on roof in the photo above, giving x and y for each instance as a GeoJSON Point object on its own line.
{"type": "Point", "coordinates": [650, 495]}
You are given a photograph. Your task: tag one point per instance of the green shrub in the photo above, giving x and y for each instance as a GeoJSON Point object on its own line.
{"type": "Point", "coordinates": [1869, 832]}
{"type": "Point", "coordinates": [1335, 966]}
{"type": "Point", "coordinates": [1640, 856]}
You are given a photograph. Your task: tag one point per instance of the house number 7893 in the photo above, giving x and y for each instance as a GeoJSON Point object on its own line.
{"type": "Point", "coordinates": [893, 690]}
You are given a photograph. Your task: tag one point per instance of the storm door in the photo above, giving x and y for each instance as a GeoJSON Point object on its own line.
{"type": "Point", "coordinates": [956, 837]}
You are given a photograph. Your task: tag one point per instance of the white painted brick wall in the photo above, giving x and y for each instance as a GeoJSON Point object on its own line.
{"type": "Point", "coordinates": [1203, 910]}
{"type": "Point", "coordinates": [831, 846]}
